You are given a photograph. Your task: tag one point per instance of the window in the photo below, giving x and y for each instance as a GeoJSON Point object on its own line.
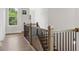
{"type": "Point", "coordinates": [12, 16]}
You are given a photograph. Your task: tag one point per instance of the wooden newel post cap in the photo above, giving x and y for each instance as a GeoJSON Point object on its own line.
{"type": "Point", "coordinates": [76, 30]}
{"type": "Point", "coordinates": [49, 26]}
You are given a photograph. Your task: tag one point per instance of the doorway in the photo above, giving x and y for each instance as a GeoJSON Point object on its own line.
{"type": "Point", "coordinates": [13, 24]}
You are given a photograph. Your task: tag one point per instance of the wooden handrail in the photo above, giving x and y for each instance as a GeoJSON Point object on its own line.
{"type": "Point", "coordinates": [68, 30]}
{"type": "Point", "coordinates": [38, 28]}
{"type": "Point", "coordinates": [31, 23]}
{"type": "Point", "coordinates": [42, 28]}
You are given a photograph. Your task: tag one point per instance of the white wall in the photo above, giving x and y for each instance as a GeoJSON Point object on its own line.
{"type": "Point", "coordinates": [76, 17]}
{"type": "Point", "coordinates": [40, 15]}
{"type": "Point", "coordinates": [2, 23]}
{"type": "Point", "coordinates": [61, 18]}
{"type": "Point", "coordinates": [24, 18]}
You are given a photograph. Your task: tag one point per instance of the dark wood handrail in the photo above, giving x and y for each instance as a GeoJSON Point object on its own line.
{"type": "Point", "coordinates": [37, 27]}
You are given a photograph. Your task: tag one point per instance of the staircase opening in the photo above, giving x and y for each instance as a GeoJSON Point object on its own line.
{"type": "Point", "coordinates": [51, 40]}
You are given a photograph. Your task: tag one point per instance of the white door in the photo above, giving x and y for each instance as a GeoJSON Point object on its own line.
{"type": "Point", "coordinates": [13, 20]}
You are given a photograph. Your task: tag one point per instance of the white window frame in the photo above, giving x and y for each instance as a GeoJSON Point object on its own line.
{"type": "Point", "coordinates": [8, 18]}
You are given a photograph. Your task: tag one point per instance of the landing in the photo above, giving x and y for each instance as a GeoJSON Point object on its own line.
{"type": "Point", "coordinates": [15, 42]}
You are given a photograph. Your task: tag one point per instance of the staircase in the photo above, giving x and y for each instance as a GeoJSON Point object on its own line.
{"type": "Point", "coordinates": [44, 43]}
{"type": "Point", "coordinates": [31, 32]}
{"type": "Point", "coordinates": [43, 39]}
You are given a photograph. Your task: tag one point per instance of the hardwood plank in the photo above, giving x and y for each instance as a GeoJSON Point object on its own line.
{"type": "Point", "coordinates": [15, 42]}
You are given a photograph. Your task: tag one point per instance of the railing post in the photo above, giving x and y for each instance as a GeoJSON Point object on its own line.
{"type": "Point", "coordinates": [24, 29]}
{"type": "Point", "coordinates": [30, 33]}
{"type": "Point", "coordinates": [37, 25]}
{"type": "Point", "coordinates": [49, 37]}
{"type": "Point", "coordinates": [76, 30]}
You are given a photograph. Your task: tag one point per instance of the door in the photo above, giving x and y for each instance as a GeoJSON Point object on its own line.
{"type": "Point", "coordinates": [13, 20]}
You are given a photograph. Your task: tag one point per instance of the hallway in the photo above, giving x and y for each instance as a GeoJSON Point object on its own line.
{"type": "Point", "coordinates": [15, 42]}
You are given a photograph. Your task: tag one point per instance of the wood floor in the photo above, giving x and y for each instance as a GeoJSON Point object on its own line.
{"type": "Point", "coordinates": [15, 42]}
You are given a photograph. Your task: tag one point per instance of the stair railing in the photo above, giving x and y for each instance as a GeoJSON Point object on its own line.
{"type": "Point", "coordinates": [30, 31]}
{"type": "Point", "coordinates": [65, 40]}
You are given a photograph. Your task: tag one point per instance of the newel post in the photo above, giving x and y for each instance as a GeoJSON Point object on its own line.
{"type": "Point", "coordinates": [49, 37]}
{"type": "Point", "coordinates": [30, 33]}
